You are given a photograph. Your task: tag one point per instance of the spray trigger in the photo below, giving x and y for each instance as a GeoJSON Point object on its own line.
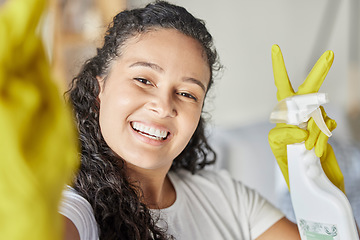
{"type": "Point", "coordinates": [317, 116]}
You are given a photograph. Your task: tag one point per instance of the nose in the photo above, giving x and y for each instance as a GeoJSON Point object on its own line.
{"type": "Point", "coordinates": [163, 105]}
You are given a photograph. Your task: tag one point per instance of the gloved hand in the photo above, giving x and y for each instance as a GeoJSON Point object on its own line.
{"type": "Point", "coordinates": [38, 143]}
{"type": "Point", "coordinates": [284, 134]}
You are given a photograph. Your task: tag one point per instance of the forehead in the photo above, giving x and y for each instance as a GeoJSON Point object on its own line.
{"type": "Point", "coordinates": [163, 35]}
{"type": "Point", "coordinates": [166, 47]}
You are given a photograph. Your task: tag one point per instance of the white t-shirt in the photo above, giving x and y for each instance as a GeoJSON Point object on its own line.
{"type": "Point", "coordinates": [79, 211]}
{"type": "Point", "coordinates": [211, 205]}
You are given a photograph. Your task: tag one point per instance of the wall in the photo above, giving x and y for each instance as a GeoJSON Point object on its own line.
{"type": "Point", "coordinates": [244, 32]}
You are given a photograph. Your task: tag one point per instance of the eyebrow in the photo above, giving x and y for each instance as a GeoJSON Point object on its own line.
{"type": "Point", "coordinates": [193, 80]}
{"type": "Point", "coordinates": [147, 64]}
{"type": "Point", "coordinates": [159, 69]}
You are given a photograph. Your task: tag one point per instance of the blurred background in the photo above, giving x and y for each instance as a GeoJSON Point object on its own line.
{"type": "Point", "coordinates": [244, 93]}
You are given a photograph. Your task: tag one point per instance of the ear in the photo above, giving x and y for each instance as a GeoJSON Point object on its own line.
{"type": "Point", "coordinates": [101, 83]}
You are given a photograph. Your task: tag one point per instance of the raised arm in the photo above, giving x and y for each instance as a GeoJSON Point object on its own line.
{"type": "Point", "coordinates": [38, 144]}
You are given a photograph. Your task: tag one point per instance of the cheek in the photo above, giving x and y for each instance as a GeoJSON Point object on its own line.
{"type": "Point", "coordinates": [191, 122]}
{"type": "Point", "coordinates": [105, 121]}
{"type": "Point", "coordinates": [112, 112]}
{"type": "Point", "coordinates": [114, 103]}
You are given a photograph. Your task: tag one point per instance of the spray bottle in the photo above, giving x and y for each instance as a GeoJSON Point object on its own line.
{"type": "Point", "coordinates": [322, 211]}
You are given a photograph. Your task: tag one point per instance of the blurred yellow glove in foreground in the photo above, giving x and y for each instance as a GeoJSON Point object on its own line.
{"type": "Point", "coordinates": [38, 143]}
{"type": "Point", "coordinates": [284, 134]}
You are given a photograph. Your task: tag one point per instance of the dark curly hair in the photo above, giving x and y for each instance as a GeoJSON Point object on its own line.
{"type": "Point", "coordinates": [102, 177]}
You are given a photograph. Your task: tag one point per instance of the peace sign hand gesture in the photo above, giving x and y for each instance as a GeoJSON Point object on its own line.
{"type": "Point", "coordinates": [284, 134]}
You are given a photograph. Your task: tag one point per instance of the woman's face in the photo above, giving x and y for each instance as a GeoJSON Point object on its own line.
{"type": "Point", "coordinates": [151, 101]}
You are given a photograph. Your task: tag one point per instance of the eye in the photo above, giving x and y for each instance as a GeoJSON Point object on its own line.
{"type": "Point", "coordinates": [143, 81]}
{"type": "Point", "coordinates": [187, 95]}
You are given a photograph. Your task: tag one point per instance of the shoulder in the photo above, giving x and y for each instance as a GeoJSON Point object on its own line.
{"type": "Point", "coordinates": [79, 211]}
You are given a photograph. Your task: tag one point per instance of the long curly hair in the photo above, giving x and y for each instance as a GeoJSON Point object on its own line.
{"type": "Point", "coordinates": [102, 178]}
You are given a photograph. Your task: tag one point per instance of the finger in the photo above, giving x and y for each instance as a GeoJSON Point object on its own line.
{"type": "Point", "coordinates": [281, 77]}
{"type": "Point", "coordinates": [321, 145]}
{"type": "Point", "coordinates": [283, 165]}
{"type": "Point", "coordinates": [18, 20]}
{"type": "Point", "coordinates": [285, 134]}
{"type": "Point", "coordinates": [322, 141]}
{"type": "Point", "coordinates": [22, 16]}
{"type": "Point", "coordinates": [332, 169]}
{"type": "Point", "coordinates": [314, 132]}
{"type": "Point", "coordinates": [317, 74]}
{"type": "Point", "coordinates": [330, 123]}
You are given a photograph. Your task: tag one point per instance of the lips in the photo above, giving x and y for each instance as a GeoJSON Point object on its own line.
{"type": "Point", "coordinates": [150, 132]}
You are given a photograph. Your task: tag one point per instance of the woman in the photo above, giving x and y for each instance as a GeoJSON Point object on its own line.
{"type": "Point", "coordinates": [138, 104]}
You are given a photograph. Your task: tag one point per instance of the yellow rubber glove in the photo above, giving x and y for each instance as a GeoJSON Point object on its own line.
{"type": "Point", "coordinates": [38, 143]}
{"type": "Point", "coordinates": [284, 134]}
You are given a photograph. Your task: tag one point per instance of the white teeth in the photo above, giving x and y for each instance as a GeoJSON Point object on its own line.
{"type": "Point", "coordinates": [149, 131]}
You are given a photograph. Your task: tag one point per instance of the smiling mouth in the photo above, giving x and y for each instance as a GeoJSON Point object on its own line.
{"type": "Point", "coordinates": [150, 132]}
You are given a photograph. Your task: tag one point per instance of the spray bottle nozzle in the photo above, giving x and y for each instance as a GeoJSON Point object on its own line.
{"type": "Point", "coordinates": [297, 110]}
{"type": "Point", "coordinates": [317, 116]}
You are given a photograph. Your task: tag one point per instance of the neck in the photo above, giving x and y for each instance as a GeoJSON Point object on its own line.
{"type": "Point", "coordinates": [157, 189]}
